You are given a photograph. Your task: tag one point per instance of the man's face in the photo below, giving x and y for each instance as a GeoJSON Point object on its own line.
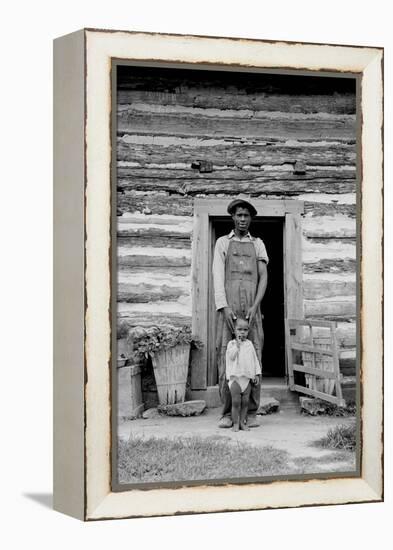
{"type": "Point", "coordinates": [241, 219]}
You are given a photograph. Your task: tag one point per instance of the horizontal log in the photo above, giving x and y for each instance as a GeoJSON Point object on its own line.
{"type": "Point", "coordinates": [329, 209]}
{"type": "Point", "coordinates": [339, 265]}
{"type": "Point", "coordinates": [139, 260]}
{"type": "Point", "coordinates": [148, 319]}
{"type": "Point", "coordinates": [144, 293]}
{"type": "Point", "coordinates": [269, 127]}
{"type": "Point", "coordinates": [129, 201]}
{"type": "Point", "coordinates": [329, 227]}
{"type": "Point", "coordinates": [156, 203]}
{"type": "Point", "coordinates": [317, 289]}
{"type": "Point", "coordinates": [182, 173]}
{"type": "Point", "coordinates": [314, 250]}
{"type": "Point", "coordinates": [139, 108]}
{"type": "Point", "coordinates": [284, 183]}
{"type": "Point", "coordinates": [182, 306]}
{"type": "Point", "coordinates": [326, 308]}
{"type": "Point", "coordinates": [180, 223]}
{"type": "Point", "coordinates": [337, 318]}
{"type": "Point", "coordinates": [154, 269]}
{"type": "Point", "coordinates": [224, 98]}
{"type": "Point", "coordinates": [239, 153]}
{"type": "Point", "coordinates": [162, 231]}
{"type": "Point", "coordinates": [157, 242]}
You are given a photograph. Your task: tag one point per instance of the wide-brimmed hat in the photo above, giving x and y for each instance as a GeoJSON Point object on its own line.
{"type": "Point", "coordinates": [241, 202]}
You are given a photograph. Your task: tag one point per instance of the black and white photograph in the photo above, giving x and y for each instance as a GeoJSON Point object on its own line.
{"type": "Point", "coordinates": [235, 275]}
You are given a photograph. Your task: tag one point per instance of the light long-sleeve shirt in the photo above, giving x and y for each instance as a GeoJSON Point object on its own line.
{"type": "Point", "coordinates": [242, 361]}
{"type": "Point", "coordinates": [220, 252]}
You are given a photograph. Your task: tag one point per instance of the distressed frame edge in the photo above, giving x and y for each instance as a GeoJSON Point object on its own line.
{"type": "Point", "coordinates": [69, 277]}
{"type": "Point", "coordinates": [376, 490]}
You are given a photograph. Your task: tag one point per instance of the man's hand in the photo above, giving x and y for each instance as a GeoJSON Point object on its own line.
{"type": "Point", "coordinates": [251, 314]}
{"type": "Point", "coordinates": [255, 380]}
{"type": "Point", "coordinates": [229, 317]}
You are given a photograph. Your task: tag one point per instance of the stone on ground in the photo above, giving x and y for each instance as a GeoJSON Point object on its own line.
{"type": "Point", "coordinates": [313, 406]}
{"type": "Point", "coordinates": [268, 405]}
{"type": "Point", "coordinates": [188, 408]}
{"type": "Point", "coordinates": [151, 413]}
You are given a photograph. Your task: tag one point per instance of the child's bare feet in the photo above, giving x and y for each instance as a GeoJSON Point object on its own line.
{"type": "Point", "coordinates": [244, 427]}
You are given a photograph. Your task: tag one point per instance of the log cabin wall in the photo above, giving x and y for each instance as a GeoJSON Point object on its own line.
{"type": "Point", "coordinates": [266, 136]}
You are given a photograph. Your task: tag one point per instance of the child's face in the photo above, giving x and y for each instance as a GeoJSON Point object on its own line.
{"type": "Point", "coordinates": [241, 331]}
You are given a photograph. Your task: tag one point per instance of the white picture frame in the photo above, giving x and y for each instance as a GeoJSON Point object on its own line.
{"type": "Point", "coordinates": [82, 334]}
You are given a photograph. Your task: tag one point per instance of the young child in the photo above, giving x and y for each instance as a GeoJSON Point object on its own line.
{"type": "Point", "coordinates": [242, 370]}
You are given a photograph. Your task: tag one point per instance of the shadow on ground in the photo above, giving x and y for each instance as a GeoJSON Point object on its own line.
{"type": "Point", "coordinates": [45, 499]}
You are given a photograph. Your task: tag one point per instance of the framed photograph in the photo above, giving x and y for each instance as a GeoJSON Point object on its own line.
{"type": "Point", "coordinates": [218, 274]}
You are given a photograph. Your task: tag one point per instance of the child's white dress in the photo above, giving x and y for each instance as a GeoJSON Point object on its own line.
{"type": "Point", "coordinates": [241, 365]}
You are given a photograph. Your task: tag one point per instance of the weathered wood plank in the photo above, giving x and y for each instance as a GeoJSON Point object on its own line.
{"type": "Point", "coordinates": [300, 322]}
{"type": "Point", "coordinates": [332, 308]}
{"type": "Point", "coordinates": [126, 232]}
{"type": "Point", "coordinates": [293, 262]}
{"type": "Point", "coordinates": [145, 293]}
{"type": "Point", "coordinates": [175, 271]}
{"type": "Point", "coordinates": [319, 395]}
{"type": "Point", "coordinates": [327, 249]}
{"type": "Point", "coordinates": [155, 203]}
{"type": "Point", "coordinates": [312, 349]}
{"type": "Point", "coordinates": [329, 227]}
{"type": "Point", "coordinates": [139, 108]}
{"type": "Point", "coordinates": [180, 307]}
{"type": "Point", "coordinates": [315, 372]}
{"type": "Point", "coordinates": [329, 209]}
{"type": "Point", "coordinates": [158, 242]}
{"type": "Point", "coordinates": [232, 183]}
{"type": "Point", "coordinates": [224, 98]}
{"type": "Point", "coordinates": [139, 260]}
{"type": "Point", "coordinates": [163, 203]}
{"type": "Point", "coordinates": [269, 127]}
{"type": "Point", "coordinates": [234, 174]}
{"type": "Point", "coordinates": [239, 153]}
{"type": "Point", "coordinates": [317, 289]}
{"type": "Point", "coordinates": [150, 319]}
{"type": "Point", "coordinates": [180, 223]}
{"type": "Point", "coordinates": [200, 298]}
{"type": "Point", "coordinates": [327, 265]}
{"type": "Point", "coordinates": [169, 233]}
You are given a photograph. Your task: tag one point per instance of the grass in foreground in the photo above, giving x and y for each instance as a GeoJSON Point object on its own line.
{"type": "Point", "coordinates": [340, 461]}
{"type": "Point", "coordinates": [340, 437]}
{"type": "Point", "coordinates": [193, 458]}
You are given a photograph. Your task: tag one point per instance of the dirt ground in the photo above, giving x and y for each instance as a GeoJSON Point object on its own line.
{"type": "Point", "coordinates": [287, 430]}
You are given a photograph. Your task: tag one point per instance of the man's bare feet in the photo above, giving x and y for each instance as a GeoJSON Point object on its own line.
{"type": "Point", "coordinates": [244, 427]}
{"type": "Point", "coordinates": [235, 428]}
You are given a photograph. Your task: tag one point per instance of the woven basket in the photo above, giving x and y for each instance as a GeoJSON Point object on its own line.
{"type": "Point", "coordinates": [170, 371]}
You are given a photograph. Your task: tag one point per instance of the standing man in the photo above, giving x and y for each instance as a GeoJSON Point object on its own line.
{"type": "Point", "coordinates": [240, 279]}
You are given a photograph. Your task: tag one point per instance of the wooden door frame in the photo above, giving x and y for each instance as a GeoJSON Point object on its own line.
{"type": "Point", "coordinates": [204, 209]}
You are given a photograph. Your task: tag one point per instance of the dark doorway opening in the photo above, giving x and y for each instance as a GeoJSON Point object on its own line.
{"type": "Point", "coordinates": [270, 230]}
